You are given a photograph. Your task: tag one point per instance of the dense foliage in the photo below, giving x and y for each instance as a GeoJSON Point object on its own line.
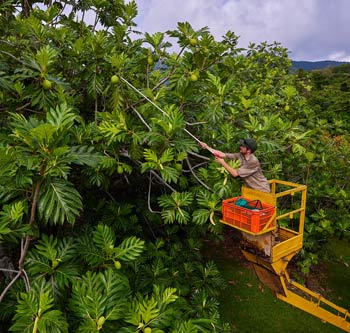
{"type": "Point", "coordinates": [105, 196]}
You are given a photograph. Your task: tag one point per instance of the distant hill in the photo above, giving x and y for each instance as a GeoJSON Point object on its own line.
{"type": "Point", "coordinates": [312, 65]}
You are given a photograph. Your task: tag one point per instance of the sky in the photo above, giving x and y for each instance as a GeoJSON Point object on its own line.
{"type": "Point", "coordinates": [312, 30]}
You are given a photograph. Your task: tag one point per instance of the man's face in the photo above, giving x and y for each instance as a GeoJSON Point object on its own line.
{"type": "Point", "coordinates": [243, 149]}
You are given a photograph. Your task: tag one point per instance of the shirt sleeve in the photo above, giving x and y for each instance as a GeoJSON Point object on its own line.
{"type": "Point", "coordinates": [233, 156]}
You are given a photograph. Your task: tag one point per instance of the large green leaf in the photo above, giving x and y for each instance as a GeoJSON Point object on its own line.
{"type": "Point", "coordinates": [59, 202]}
{"type": "Point", "coordinates": [99, 294]}
{"type": "Point", "coordinates": [130, 248]}
{"type": "Point", "coordinates": [103, 237]}
{"type": "Point", "coordinates": [11, 216]}
{"type": "Point", "coordinates": [62, 117]}
{"type": "Point", "coordinates": [84, 155]}
{"type": "Point", "coordinates": [55, 259]}
{"type": "Point", "coordinates": [35, 312]}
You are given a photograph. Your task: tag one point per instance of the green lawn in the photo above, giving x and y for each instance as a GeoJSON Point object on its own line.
{"type": "Point", "coordinates": [338, 273]}
{"type": "Point", "coordinates": [250, 307]}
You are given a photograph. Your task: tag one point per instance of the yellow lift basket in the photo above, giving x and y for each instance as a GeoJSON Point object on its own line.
{"type": "Point", "coordinates": [270, 243]}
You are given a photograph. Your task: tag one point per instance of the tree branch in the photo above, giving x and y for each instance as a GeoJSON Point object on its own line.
{"type": "Point", "coordinates": [10, 285]}
{"type": "Point", "coordinates": [149, 196]}
{"type": "Point", "coordinates": [198, 155]}
{"type": "Point", "coordinates": [25, 247]}
{"type": "Point", "coordinates": [195, 176]}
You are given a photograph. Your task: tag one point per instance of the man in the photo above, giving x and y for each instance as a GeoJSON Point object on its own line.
{"type": "Point", "coordinates": [249, 170]}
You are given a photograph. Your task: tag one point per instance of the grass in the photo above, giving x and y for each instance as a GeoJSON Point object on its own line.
{"type": "Point", "coordinates": [338, 273]}
{"type": "Point", "coordinates": [248, 306]}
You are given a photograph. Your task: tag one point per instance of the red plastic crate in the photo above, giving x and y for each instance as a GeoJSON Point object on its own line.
{"type": "Point", "coordinates": [244, 218]}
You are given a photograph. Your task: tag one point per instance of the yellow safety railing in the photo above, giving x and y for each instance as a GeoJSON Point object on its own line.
{"type": "Point", "coordinates": [272, 269]}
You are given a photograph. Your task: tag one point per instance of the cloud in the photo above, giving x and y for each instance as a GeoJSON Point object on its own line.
{"type": "Point", "coordinates": [310, 29]}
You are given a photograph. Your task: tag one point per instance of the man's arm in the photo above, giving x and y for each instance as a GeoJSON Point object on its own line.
{"type": "Point", "coordinates": [215, 152]}
{"type": "Point", "coordinates": [231, 170]}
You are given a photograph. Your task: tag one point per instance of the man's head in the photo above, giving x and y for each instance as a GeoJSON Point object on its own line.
{"type": "Point", "coordinates": [249, 144]}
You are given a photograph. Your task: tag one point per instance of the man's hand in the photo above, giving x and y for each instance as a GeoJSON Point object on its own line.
{"type": "Point", "coordinates": [216, 153]}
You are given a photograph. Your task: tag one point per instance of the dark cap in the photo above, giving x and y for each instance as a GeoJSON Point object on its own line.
{"type": "Point", "coordinates": [249, 143]}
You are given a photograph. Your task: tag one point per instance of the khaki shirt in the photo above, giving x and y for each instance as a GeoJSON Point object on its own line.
{"type": "Point", "coordinates": [250, 172]}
